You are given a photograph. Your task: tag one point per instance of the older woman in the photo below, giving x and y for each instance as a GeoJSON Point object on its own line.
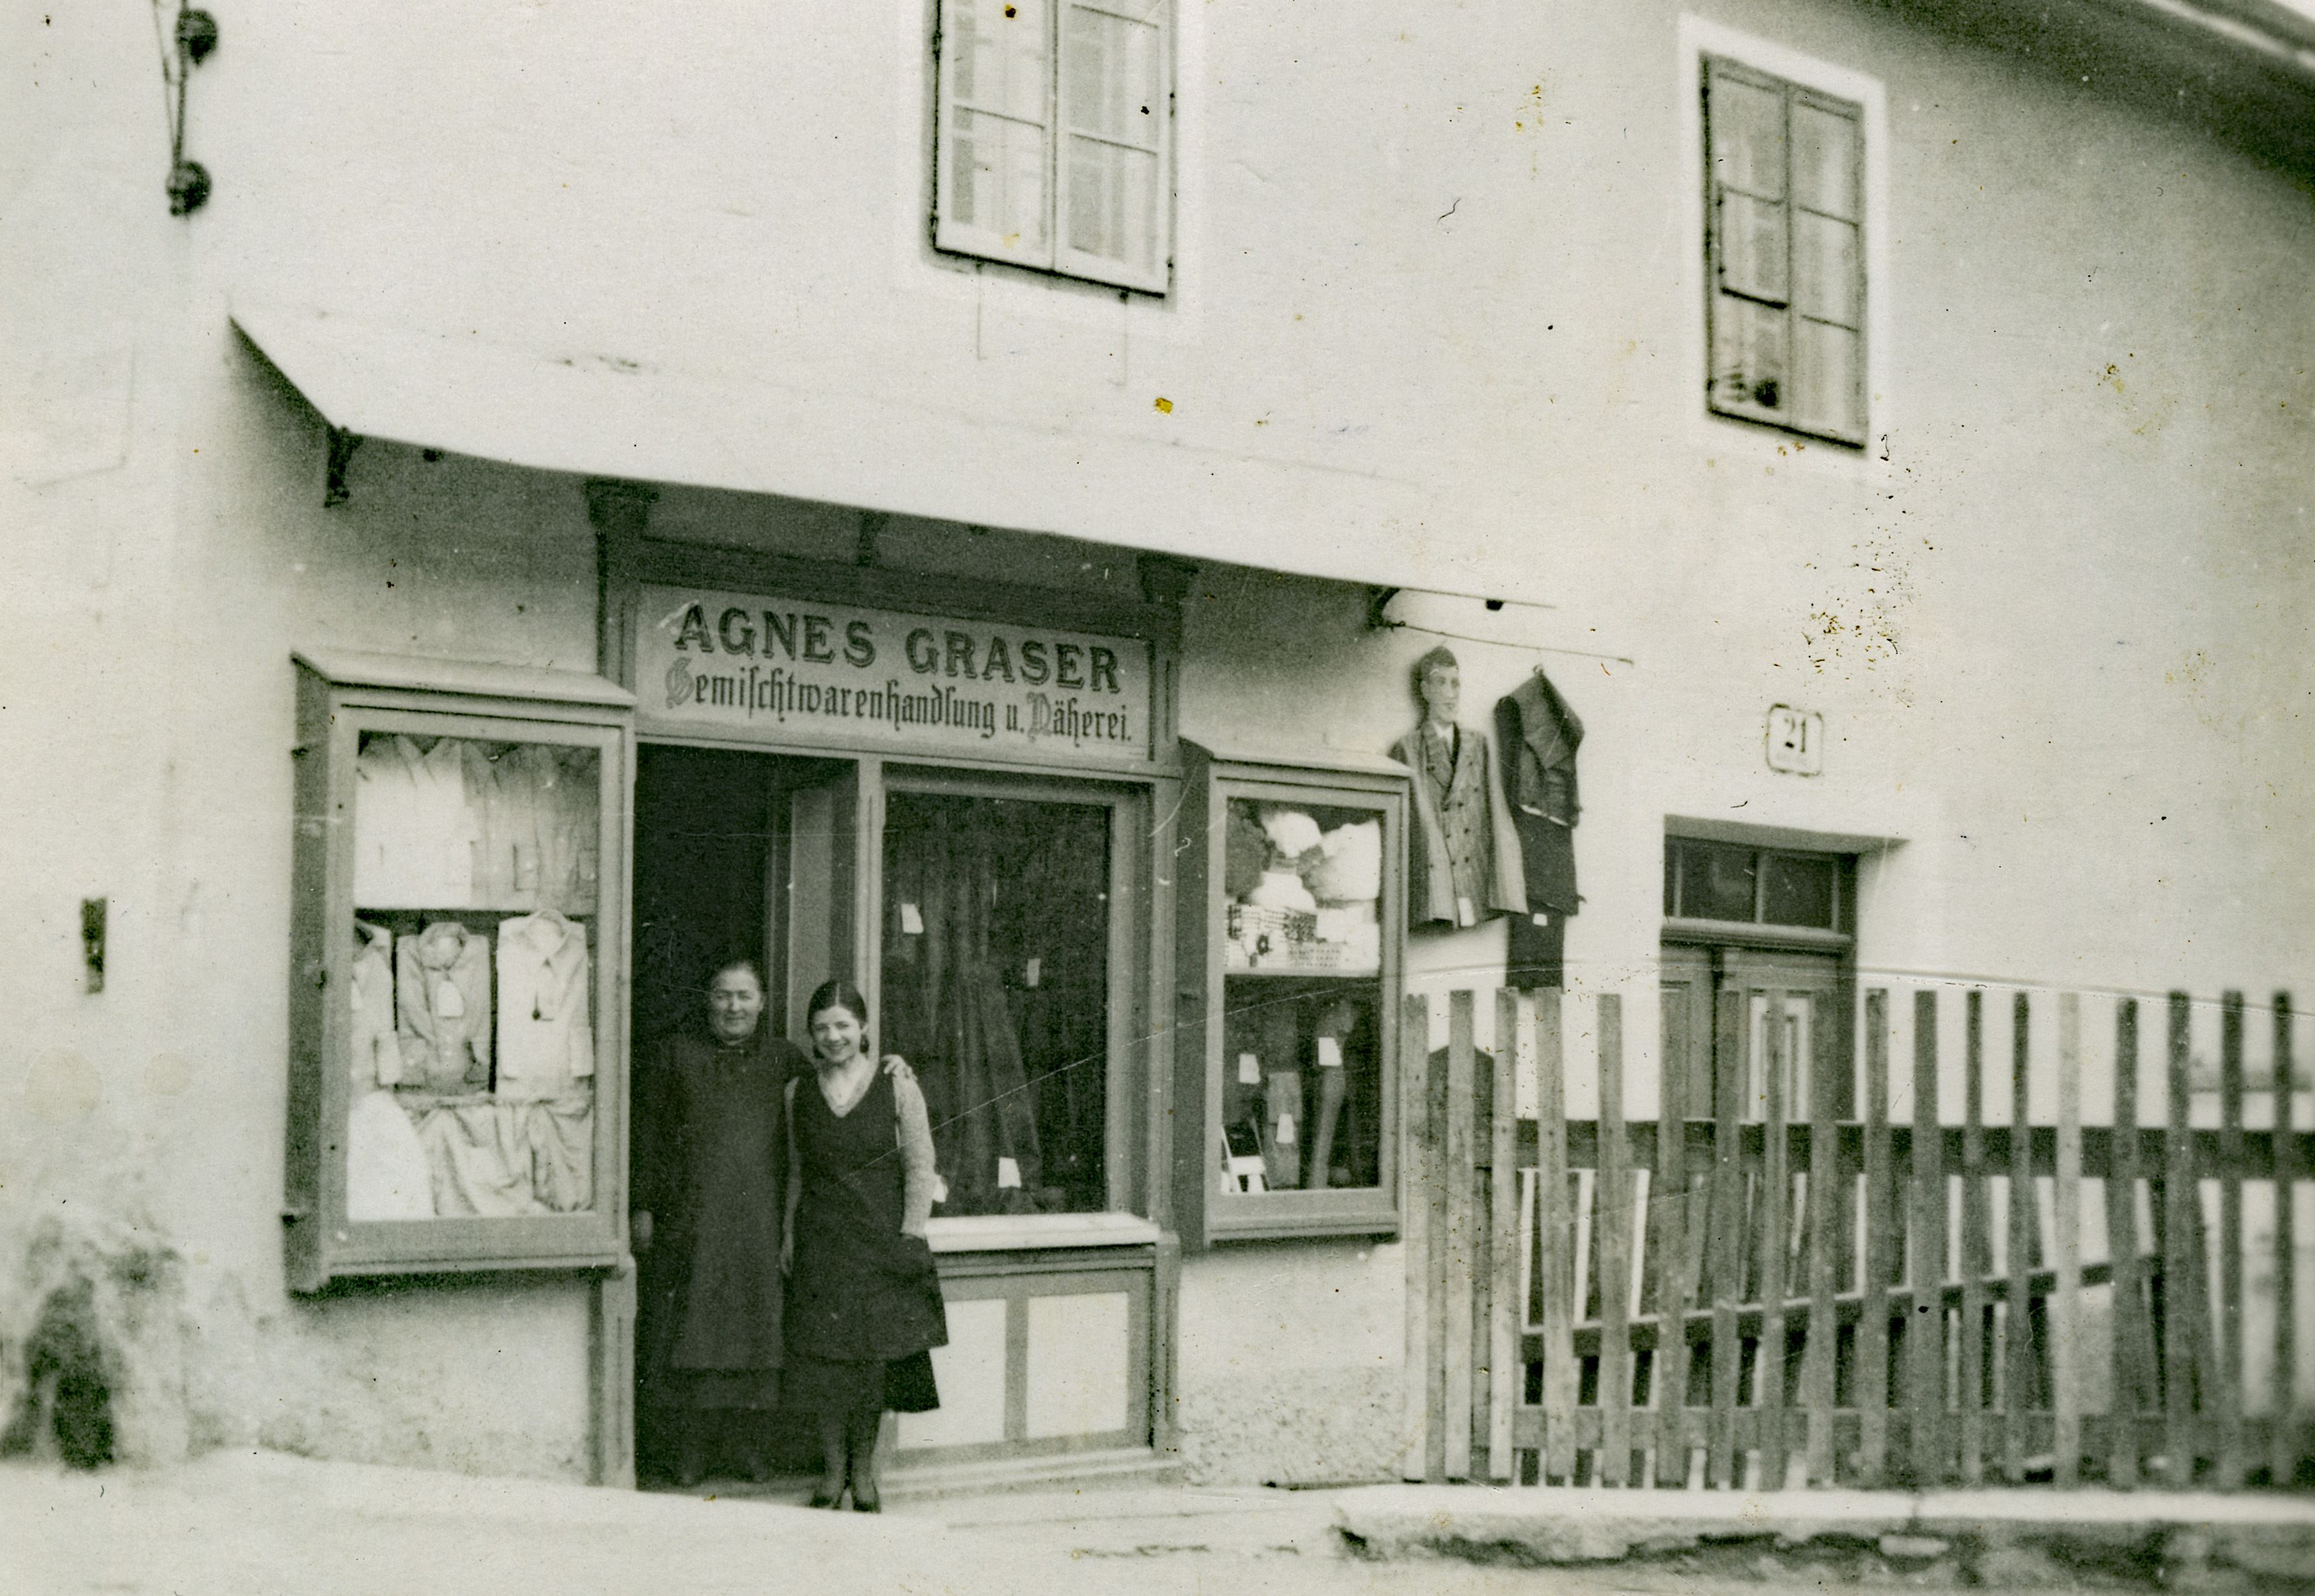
{"type": "Point", "coordinates": [863, 1297]}
{"type": "Point", "coordinates": [710, 1180]}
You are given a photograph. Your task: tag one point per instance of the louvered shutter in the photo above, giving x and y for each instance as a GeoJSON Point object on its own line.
{"type": "Point", "coordinates": [1113, 200]}
{"type": "Point", "coordinates": [1786, 298]}
{"type": "Point", "coordinates": [1828, 270]}
{"type": "Point", "coordinates": [993, 182]}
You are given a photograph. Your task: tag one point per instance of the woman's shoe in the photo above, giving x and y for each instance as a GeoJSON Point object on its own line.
{"type": "Point", "coordinates": [866, 1504]}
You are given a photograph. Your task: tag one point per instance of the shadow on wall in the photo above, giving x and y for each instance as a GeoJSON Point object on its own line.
{"type": "Point", "coordinates": [91, 1344]}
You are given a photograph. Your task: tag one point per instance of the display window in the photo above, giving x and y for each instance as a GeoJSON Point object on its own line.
{"type": "Point", "coordinates": [1298, 877]}
{"type": "Point", "coordinates": [1006, 981]}
{"type": "Point", "coordinates": [454, 1087]}
{"type": "Point", "coordinates": [475, 882]}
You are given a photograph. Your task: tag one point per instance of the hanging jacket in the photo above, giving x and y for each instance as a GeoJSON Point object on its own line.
{"type": "Point", "coordinates": [1541, 736]}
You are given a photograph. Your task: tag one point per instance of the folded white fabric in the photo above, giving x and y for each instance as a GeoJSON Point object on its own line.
{"type": "Point", "coordinates": [1291, 831]}
{"type": "Point", "coordinates": [1349, 867]}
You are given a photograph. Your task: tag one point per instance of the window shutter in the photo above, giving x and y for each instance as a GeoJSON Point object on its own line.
{"type": "Point", "coordinates": [993, 181]}
{"type": "Point", "coordinates": [1828, 270]}
{"type": "Point", "coordinates": [1114, 193]}
{"type": "Point", "coordinates": [1784, 303]}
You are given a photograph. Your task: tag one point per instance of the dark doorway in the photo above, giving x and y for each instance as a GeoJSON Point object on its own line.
{"type": "Point", "coordinates": [737, 855]}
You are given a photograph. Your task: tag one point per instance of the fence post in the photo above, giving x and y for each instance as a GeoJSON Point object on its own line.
{"type": "Point", "coordinates": [2016, 1331]}
{"type": "Point", "coordinates": [1825, 1188]}
{"type": "Point", "coordinates": [1724, 1231]}
{"type": "Point", "coordinates": [2132, 1338]}
{"type": "Point", "coordinates": [1556, 1247]}
{"type": "Point", "coordinates": [1880, 1259]}
{"type": "Point", "coordinates": [1977, 1243]}
{"type": "Point", "coordinates": [1459, 1274]}
{"type": "Point", "coordinates": [2282, 1443]}
{"type": "Point", "coordinates": [1671, 1207]}
{"type": "Point", "coordinates": [1612, 1202]}
{"type": "Point", "coordinates": [1515, 1047]}
{"type": "Point", "coordinates": [2065, 1316]}
{"type": "Point", "coordinates": [1415, 1115]}
{"type": "Point", "coordinates": [2180, 1199]}
{"type": "Point", "coordinates": [1925, 1397]}
{"type": "Point", "coordinates": [1776, 1195]}
{"type": "Point", "coordinates": [2230, 1361]}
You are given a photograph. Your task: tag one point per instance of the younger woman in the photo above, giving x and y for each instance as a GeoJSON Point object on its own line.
{"type": "Point", "coordinates": [864, 1302]}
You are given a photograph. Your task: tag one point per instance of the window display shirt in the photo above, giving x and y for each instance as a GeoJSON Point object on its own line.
{"type": "Point", "coordinates": [442, 1002]}
{"type": "Point", "coordinates": [377, 1054]}
{"type": "Point", "coordinates": [414, 834]}
{"type": "Point", "coordinates": [545, 1024]}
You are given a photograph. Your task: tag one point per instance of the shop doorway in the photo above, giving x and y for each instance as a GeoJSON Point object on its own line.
{"type": "Point", "coordinates": [737, 855]}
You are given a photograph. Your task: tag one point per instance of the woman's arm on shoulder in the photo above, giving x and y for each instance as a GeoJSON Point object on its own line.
{"type": "Point", "coordinates": [917, 1178]}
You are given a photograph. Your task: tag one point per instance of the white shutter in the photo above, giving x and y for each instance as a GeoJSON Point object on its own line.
{"type": "Point", "coordinates": [993, 183]}
{"type": "Point", "coordinates": [1113, 200]}
{"type": "Point", "coordinates": [1828, 270]}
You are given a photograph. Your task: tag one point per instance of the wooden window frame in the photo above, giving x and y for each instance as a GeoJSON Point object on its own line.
{"type": "Point", "coordinates": [1791, 92]}
{"type": "Point", "coordinates": [1056, 258]}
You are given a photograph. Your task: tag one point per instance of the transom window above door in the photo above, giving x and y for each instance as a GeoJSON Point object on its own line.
{"type": "Point", "coordinates": [1730, 884]}
{"type": "Point", "coordinates": [1054, 145]}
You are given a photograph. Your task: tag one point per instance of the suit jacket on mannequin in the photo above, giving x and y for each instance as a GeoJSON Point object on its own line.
{"type": "Point", "coordinates": [1465, 822]}
{"type": "Point", "coordinates": [1541, 736]}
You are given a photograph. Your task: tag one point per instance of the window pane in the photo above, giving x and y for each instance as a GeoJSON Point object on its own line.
{"type": "Point", "coordinates": [1716, 883]}
{"type": "Point", "coordinates": [1748, 137]}
{"type": "Point", "coordinates": [1301, 1050]}
{"type": "Point", "coordinates": [1825, 161]}
{"type": "Point", "coordinates": [996, 967]}
{"type": "Point", "coordinates": [1753, 248]}
{"type": "Point", "coordinates": [1114, 202]}
{"type": "Point", "coordinates": [1824, 269]}
{"type": "Point", "coordinates": [1829, 398]}
{"type": "Point", "coordinates": [470, 988]}
{"type": "Point", "coordinates": [1116, 88]}
{"type": "Point", "coordinates": [997, 177]}
{"type": "Point", "coordinates": [998, 56]}
{"type": "Point", "coordinates": [1114, 108]}
{"type": "Point", "coordinates": [1748, 354]}
{"type": "Point", "coordinates": [1798, 891]}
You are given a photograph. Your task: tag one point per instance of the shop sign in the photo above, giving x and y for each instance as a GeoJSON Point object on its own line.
{"type": "Point", "coordinates": [791, 671]}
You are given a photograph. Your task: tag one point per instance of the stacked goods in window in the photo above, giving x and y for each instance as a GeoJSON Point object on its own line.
{"type": "Point", "coordinates": [475, 882]}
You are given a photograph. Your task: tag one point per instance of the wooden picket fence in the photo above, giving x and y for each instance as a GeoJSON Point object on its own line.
{"type": "Point", "coordinates": [1806, 1299]}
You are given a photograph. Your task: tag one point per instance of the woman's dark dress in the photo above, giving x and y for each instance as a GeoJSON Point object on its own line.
{"type": "Point", "coordinates": [711, 1167]}
{"type": "Point", "coordinates": [864, 1300]}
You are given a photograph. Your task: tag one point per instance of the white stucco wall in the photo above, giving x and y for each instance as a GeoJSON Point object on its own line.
{"type": "Point", "coordinates": [2053, 618]}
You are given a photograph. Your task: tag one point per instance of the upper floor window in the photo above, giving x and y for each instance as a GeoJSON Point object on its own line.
{"type": "Point", "coordinates": [1783, 213]}
{"type": "Point", "coordinates": [1055, 143]}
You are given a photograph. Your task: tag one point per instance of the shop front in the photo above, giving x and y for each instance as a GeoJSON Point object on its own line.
{"type": "Point", "coordinates": [1147, 988]}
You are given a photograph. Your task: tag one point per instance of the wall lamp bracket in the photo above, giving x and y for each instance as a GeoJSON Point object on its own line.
{"type": "Point", "coordinates": [195, 39]}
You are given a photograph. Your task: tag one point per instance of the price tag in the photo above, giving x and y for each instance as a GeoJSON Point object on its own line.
{"type": "Point", "coordinates": [1285, 1137]}
{"type": "Point", "coordinates": [1008, 1176]}
{"type": "Point", "coordinates": [1543, 919]}
{"type": "Point", "coordinates": [1036, 968]}
{"type": "Point", "coordinates": [912, 920]}
{"type": "Point", "coordinates": [1249, 1070]}
{"type": "Point", "coordinates": [1330, 1052]}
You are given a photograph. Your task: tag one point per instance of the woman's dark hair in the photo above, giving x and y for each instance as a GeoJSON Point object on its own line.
{"type": "Point", "coordinates": [836, 994]}
{"type": "Point", "coordinates": [747, 961]}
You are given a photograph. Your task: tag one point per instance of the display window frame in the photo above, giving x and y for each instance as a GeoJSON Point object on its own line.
{"type": "Point", "coordinates": [1129, 1160]}
{"type": "Point", "coordinates": [1205, 1214]}
{"type": "Point", "coordinates": [340, 698]}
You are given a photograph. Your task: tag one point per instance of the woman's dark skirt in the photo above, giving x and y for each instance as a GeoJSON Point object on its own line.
{"type": "Point", "coordinates": [830, 1388]}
